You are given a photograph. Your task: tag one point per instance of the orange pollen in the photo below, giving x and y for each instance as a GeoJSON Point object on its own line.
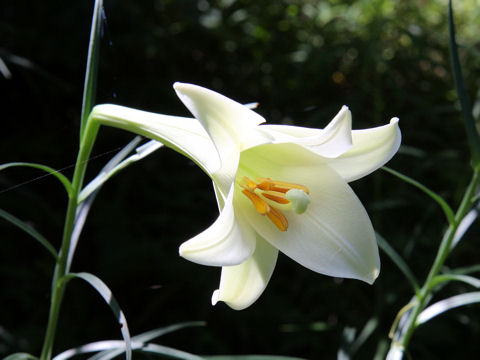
{"type": "Point", "coordinates": [272, 190]}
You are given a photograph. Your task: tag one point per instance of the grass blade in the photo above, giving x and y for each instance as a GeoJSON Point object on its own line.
{"type": "Point", "coordinates": [30, 231]}
{"type": "Point", "coordinates": [107, 295]}
{"type": "Point", "coordinates": [472, 134]}
{"type": "Point", "coordinates": [443, 204]}
{"type": "Point", "coordinates": [447, 304]}
{"type": "Point", "coordinates": [397, 260]}
{"type": "Point", "coordinates": [90, 85]}
{"type": "Point", "coordinates": [65, 182]}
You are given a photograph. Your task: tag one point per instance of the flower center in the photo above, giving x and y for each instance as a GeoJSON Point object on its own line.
{"type": "Point", "coordinates": [270, 196]}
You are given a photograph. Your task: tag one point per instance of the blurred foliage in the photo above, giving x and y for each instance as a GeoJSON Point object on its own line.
{"type": "Point", "coordinates": [301, 60]}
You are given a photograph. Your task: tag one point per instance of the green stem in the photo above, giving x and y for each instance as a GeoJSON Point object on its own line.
{"type": "Point", "coordinates": [442, 254]}
{"type": "Point", "coordinates": [58, 286]}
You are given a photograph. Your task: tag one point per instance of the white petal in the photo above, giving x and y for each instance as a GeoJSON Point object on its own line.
{"type": "Point", "coordinates": [228, 122]}
{"type": "Point", "coordinates": [184, 135]}
{"type": "Point", "coordinates": [241, 285]}
{"type": "Point", "coordinates": [371, 149]}
{"type": "Point", "coordinates": [230, 240]}
{"type": "Point", "coordinates": [330, 142]}
{"type": "Point", "coordinates": [334, 236]}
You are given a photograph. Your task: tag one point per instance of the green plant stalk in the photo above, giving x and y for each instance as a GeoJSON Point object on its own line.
{"type": "Point", "coordinates": [58, 286]}
{"type": "Point", "coordinates": [442, 254]}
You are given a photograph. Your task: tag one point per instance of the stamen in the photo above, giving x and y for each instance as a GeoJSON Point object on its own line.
{"type": "Point", "coordinates": [278, 219]}
{"type": "Point", "coordinates": [260, 205]}
{"type": "Point", "coordinates": [276, 196]}
{"type": "Point", "coordinates": [280, 186]}
{"type": "Point", "coordinates": [264, 191]}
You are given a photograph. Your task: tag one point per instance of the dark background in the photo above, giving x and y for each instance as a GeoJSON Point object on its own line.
{"type": "Point", "coordinates": [301, 60]}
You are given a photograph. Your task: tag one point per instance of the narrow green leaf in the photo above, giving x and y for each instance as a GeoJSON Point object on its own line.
{"type": "Point", "coordinates": [119, 163]}
{"type": "Point", "coordinates": [367, 330]}
{"type": "Point", "coordinates": [447, 304]}
{"type": "Point", "coordinates": [454, 277]}
{"type": "Point", "coordinates": [29, 230]}
{"type": "Point", "coordinates": [467, 269]}
{"type": "Point", "coordinates": [168, 352]}
{"type": "Point", "coordinates": [397, 260]}
{"type": "Point", "coordinates": [107, 295]}
{"type": "Point", "coordinates": [90, 85]}
{"type": "Point", "coordinates": [472, 133]}
{"type": "Point", "coordinates": [445, 207]}
{"type": "Point", "coordinates": [65, 182]}
{"type": "Point", "coordinates": [20, 356]}
{"type": "Point", "coordinates": [141, 340]}
{"type": "Point", "coordinates": [464, 225]}
{"type": "Point", "coordinates": [250, 357]}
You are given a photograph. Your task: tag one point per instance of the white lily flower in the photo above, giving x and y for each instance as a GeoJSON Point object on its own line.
{"type": "Point", "coordinates": [278, 188]}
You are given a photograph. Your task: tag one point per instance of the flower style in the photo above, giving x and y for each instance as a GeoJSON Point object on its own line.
{"type": "Point", "coordinates": [278, 187]}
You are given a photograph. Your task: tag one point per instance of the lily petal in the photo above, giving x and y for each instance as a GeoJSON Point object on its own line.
{"type": "Point", "coordinates": [241, 285]}
{"type": "Point", "coordinates": [230, 240]}
{"type": "Point", "coordinates": [334, 140]}
{"type": "Point", "coordinates": [334, 236]}
{"type": "Point", "coordinates": [225, 120]}
{"type": "Point", "coordinates": [185, 135]}
{"type": "Point", "coordinates": [371, 149]}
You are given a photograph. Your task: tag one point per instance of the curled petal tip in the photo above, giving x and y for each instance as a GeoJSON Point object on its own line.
{"type": "Point", "coordinates": [371, 277]}
{"type": "Point", "coordinates": [394, 120]}
{"type": "Point", "coordinates": [215, 297]}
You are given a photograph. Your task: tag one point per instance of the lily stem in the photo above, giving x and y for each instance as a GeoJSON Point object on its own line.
{"type": "Point", "coordinates": [58, 285]}
{"type": "Point", "coordinates": [443, 251]}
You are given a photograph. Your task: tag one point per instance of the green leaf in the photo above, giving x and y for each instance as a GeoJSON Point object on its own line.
{"type": "Point", "coordinates": [467, 269]}
{"type": "Point", "coordinates": [464, 225]}
{"type": "Point", "coordinates": [472, 133]}
{"type": "Point", "coordinates": [454, 277]}
{"type": "Point", "coordinates": [107, 295]}
{"type": "Point", "coordinates": [250, 357]}
{"type": "Point", "coordinates": [397, 260]}
{"type": "Point", "coordinates": [447, 304]}
{"type": "Point", "coordinates": [29, 230]}
{"type": "Point", "coordinates": [90, 85]}
{"type": "Point", "coordinates": [66, 183]}
{"type": "Point", "coordinates": [140, 341]}
{"type": "Point", "coordinates": [118, 163]}
{"type": "Point", "coordinates": [20, 356]}
{"type": "Point", "coordinates": [443, 204]}
{"type": "Point", "coordinates": [367, 330]}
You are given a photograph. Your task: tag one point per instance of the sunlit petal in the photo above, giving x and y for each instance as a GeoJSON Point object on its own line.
{"type": "Point", "coordinates": [334, 236]}
{"type": "Point", "coordinates": [330, 142]}
{"type": "Point", "coordinates": [185, 135]}
{"type": "Point", "coordinates": [231, 125]}
{"type": "Point", "coordinates": [242, 284]}
{"type": "Point", "coordinates": [371, 149]}
{"type": "Point", "coordinates": [230, 240]}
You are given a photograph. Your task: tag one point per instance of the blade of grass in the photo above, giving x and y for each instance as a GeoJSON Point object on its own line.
{"type": "Point", "coordinates": [447, 304]}
{"type": "Point", "coordinates": [472, 134]}
{"type": "Point", "coordinates": [65, 182]}
{"type": "Point", "coordinates": [30, 231]}
{"type": "Point", "coordinates": [443, 204]}
{"type": "Point", "coordinates": [90, 85]}
{"type": "Point", "coordinates": [397, 260]}
{"type": "Point", "coordinates": [107, 295]}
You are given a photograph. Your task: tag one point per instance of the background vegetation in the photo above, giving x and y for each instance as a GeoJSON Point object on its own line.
{"type": "Point", "coordinates": [301, 60]}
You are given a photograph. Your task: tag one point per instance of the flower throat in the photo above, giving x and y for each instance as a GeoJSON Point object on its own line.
{"type": "Point", "coordinates": [270, 196]}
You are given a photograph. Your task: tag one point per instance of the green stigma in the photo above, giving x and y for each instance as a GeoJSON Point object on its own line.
{"type": "Point", "coordinates": [299, 200]}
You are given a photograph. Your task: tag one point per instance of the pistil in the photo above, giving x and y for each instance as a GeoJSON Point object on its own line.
{"type": "Point", "coordinates": [267, 194]}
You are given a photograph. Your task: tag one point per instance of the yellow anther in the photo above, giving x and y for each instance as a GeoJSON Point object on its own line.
{"type": "Point", "coordinates": [276, 196]}
{"type": "Point", "coordinates": [278, 219]}
{"type": "Point", "coordinates": [280, 186]}
{"type": "Point", "coordinates": [260, 205]}
{"type": "Point", "coordinates": [265, 192]}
